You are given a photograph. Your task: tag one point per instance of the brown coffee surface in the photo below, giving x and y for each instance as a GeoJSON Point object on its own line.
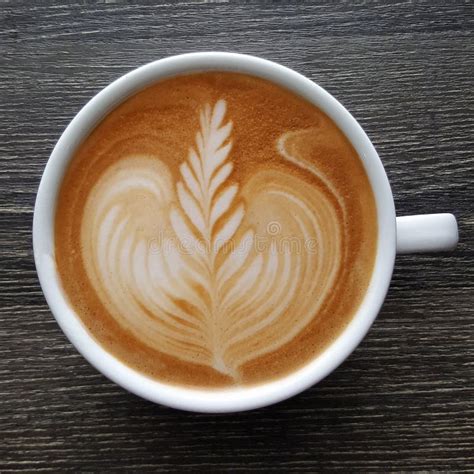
{"type": "Point", "coordinates": [215, 229]}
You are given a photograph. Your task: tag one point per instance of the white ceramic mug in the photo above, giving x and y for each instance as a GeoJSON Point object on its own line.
{"type": "Point", "coordinates": [432, 232]}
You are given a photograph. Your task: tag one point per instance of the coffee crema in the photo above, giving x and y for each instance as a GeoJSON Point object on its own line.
{"type": "Point", "coordinates": [215, 229]}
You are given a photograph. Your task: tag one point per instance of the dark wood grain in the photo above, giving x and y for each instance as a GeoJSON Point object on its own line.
{"type": "Point", "coordinates": [405, 399]}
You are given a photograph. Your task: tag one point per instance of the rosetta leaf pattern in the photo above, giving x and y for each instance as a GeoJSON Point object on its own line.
{"type": "Point", "coordinates": [208, 215]}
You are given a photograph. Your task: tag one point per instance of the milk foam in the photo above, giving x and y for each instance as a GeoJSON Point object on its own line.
{"type": "Point", "coordinates": [205, 268]}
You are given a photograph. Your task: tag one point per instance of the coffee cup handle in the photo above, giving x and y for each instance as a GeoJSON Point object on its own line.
{"type": "Point", "coordinates": [426, 233]}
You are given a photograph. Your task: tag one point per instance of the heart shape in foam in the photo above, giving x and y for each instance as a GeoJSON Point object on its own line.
{"type": "Point", "coordinates": [206, 269]}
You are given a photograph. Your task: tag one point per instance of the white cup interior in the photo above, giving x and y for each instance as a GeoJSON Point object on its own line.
{"type": "Point", "coordinates": [224, 400]}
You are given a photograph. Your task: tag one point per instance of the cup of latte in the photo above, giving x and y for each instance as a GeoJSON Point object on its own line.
{"type": "Point", "coordinates": [215, 232]}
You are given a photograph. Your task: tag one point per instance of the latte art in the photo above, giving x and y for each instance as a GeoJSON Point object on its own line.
{"type": "Point", "coordinates": [188, 260]}
{"type": "Point", "coordinates": [190, 298]}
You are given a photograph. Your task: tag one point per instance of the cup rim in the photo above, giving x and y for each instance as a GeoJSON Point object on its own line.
{"type": "Point", "coordinates": [229, 399]}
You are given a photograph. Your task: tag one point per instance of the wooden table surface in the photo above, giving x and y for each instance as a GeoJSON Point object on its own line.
{"type": "Point", "coordinates": [404, 400]}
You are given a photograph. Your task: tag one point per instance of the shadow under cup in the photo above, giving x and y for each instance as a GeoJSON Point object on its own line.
{"type": "Point", "coordinates": [229, 399]}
